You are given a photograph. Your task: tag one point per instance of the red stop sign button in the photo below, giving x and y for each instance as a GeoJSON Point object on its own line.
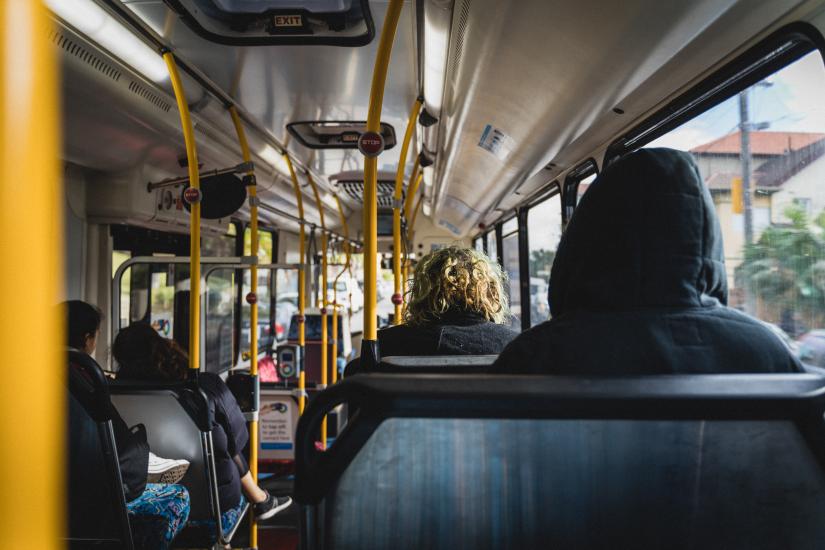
{"type": "Point", "coordinates": [251, 298]}
{"type": "Point", "coordinates": [371, 144]}
{"type": "Point", "coordinates": [192, 195]}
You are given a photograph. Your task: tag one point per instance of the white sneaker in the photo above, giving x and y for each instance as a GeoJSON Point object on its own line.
{"type": "Point", "coordinates": [166, 470]}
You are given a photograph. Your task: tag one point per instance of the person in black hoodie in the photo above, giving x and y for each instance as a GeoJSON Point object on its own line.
{"type": "Point", "coordinates": [143, 354]}
{"type": "Point", "coordinates": [456, 306]}
{"type": "Point", "coordinates": [638, 284]}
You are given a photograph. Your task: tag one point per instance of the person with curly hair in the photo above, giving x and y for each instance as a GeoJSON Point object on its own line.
{"type": "Point", "coordinates": [456, 305]}
{"type": "Point", "coordinates": [143, 354]}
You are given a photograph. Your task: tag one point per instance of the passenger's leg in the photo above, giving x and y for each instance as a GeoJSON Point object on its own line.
{"type": "Point", "coordinates": [158, 515]}
{"type": "Point", "coordinates": [264, 504]}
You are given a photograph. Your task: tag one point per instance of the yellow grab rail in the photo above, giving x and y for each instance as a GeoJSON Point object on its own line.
{"type": "Point", "coordinates": [194, 214]}
{"type": "Point", "coordinates": [253, 310]}
{"type": "Point", "coordinates": [322, 302]}
{"type": "Point", "coordinates": [379, 78]}
{"type": "Point", "coordinates": [301, 285]}
{"type": "Point", "coordinates": [345, 230]}
{"type": "Point", "coordinates": [411, 192]}
{"type": "Point", "coordinates": [411, 233]}
{"type": "Point", "coordinates": [398, 297]}
{"type": "Point", "coordinates": [32, 502]}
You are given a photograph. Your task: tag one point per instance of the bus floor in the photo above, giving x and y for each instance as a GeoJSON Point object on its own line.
{"type": "Point", "coordinates": [279, 532]}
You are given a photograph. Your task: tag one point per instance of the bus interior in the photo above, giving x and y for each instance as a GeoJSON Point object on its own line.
{"type": "Point", "coordinates": [257, 180]}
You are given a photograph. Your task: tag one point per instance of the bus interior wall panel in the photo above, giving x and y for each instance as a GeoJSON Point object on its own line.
{"type": "Point", "coordinates": [565, 120]}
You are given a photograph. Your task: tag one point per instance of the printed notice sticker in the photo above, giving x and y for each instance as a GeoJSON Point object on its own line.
{"type": "Point", "coordinates": [496, 141]}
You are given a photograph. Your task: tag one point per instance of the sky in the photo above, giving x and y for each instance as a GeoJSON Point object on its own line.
{"type": "Point", "coordinates": [792, 103]}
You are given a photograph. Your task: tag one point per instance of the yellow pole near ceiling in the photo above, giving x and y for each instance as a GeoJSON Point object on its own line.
{"type": "Point", "coordinates": [252, 299]}
{"type": "Point", "coordinates": [32, 502]}
{"type": "Point", "coordinates": [322, 302]}
{"type": "Point", "coordinates": [301, 286]}
{"type": "Point", "coordinates": [397, 297]}
{"type": "Point", "coordinates": [379, 78]}
{"type": "Point", "coordinates": [345, 230]}
{"type": "Point", "coordinates": [412, 190]}
{"type": "Point", "coordinates": [194, 214]}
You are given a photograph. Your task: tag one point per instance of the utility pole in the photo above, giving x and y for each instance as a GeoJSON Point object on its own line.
{"type": "Point", "coordinates": [745, 157]}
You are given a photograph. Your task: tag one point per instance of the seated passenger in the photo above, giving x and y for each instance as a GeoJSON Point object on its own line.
{"type": "Point", "coordinates": [456, 306]}
{"type": "Point", "coordinates": [157, 507]}
{"type": "Point", "coordinates": [639, 286]}
{"type": "Point", "coordinates": [145, 355]}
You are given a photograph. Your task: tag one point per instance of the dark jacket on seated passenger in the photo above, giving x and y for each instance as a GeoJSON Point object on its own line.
{"type": "Point", "coordinates": [639, 286]}
{"type": "Point", "coordinates": [456, 333]}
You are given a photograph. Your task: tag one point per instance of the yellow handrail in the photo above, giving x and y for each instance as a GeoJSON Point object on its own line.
{"type": "Point", "coordinates": [397, 297]}
{"type": "Point", "coordinates": [322, 302]}
{"type": "Point", "coordinates": [301, 285]}
{"type": "Point", "coordinates": [379, 78]}
{"type": "Point", "coordinates": [411, 192]}
{"type": "Point", "coordinates": [194, 215]}
{"type": "Point", "coordinates": [33, 459]}
{"type": "Point", "coordinates": [253, 312]}
{"type": "Point", "coordinates": [345, 230]}
{"type": "Point", "coordinates": [410, 236]}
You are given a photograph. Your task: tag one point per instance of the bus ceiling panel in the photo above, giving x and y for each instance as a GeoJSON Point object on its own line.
{"type": "Point", "coordinates": [278, 85]}
{"type": "Point", "coordinates": [534, 82]}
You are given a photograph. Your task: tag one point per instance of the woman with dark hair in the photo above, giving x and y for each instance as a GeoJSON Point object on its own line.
{"type": "Point", "coordinates": [157, 507]}
{"type": "Point", "coordinates": [143, 354]}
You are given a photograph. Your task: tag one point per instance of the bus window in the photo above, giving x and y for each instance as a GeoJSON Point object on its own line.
{"type": "Point", "coordinates": [492, 245]}
{"type": "Point", "coordinates": [584, 183]}
{"type": "Point", "coordinates": [265, 255]}
{"type": "Point", "coordinates": [221, 293]}
{"type": "Point", "coordinates": [478, 244]}
{"type": "Point", "coordinates": [761, 153]}
{"type": "Point", "coordinates": [543, 232]}
{"type": "Point", "coordinates": [509, 255]}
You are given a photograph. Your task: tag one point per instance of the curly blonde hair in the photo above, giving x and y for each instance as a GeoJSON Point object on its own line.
{"type": "Point", "coordinates": [456, 278]}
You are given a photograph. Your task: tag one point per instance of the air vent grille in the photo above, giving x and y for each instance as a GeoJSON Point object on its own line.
{"type": "Point", "coordinates": [77, 50]}
{"type": "Point", "coordinates": [149, 96]}
{"type": "Point", "coordinates": [354, 190]}
{"type": "Point", "coordinates": [460, 31]}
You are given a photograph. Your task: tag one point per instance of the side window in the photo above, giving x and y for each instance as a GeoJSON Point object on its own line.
{"type": "Point", "coordinates": [576, 184]}
{"type": "Point", "coordinates": [478, 244]}
{"type": "Point", "coordinates": [761, 154]}
{"type": "Point", "coordinates": [543, 232]}
{"type": "Point", "coordinates": [509, 255]}
{"type": "Point", "coordinates": [492, 245]}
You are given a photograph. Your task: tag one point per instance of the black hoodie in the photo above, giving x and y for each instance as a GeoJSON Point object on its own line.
{"type": "Point", "coordinates": [638, 285]}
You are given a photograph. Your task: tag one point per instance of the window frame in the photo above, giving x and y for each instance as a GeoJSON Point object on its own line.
{"type": "Point", "coordinates": [570, 195]}
{"type": "Point", "coordinates": [788, 44]}
{"type": "Point", "coordinates": [548, 193]}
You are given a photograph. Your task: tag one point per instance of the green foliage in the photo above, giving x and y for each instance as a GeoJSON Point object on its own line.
{"type": "Point", "coordinates": [785, 268]}
{"type": "Point", "coordinates": [541, 261]}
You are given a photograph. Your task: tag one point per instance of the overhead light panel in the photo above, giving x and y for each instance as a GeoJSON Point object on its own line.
{"type": "Point", "coordinates": [97, 24]}
{"type": "Point", "coordinates": [437, 17]}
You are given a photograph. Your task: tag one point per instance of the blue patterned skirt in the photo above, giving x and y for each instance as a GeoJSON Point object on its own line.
{"type": "Point", "coordinates": [158, 515]}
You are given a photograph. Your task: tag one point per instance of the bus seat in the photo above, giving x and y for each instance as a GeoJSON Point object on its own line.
{"type": "Point", "coordinates": [427, 364]}
{"type": "Point", "coordinates": [178, 425]}
{"type": "Point", "coordinates": [96, 501]}
{"type": "Point", "coordinates": [441, 461]}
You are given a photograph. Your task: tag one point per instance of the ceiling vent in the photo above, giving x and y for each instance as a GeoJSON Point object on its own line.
{"type": "Point", "coordinates": [80, 52]}
{"type": "Point", "coordinates": [149, 96]}
{"type": "Point", "coordinates": [457, 50]}
{"type": "Point", "coordinates": [354, 191]}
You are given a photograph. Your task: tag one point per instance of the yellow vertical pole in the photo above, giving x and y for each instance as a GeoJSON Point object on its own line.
{"type": "Point", "coordinates": [397, 297]}
{"type": "Point", "coordinates": [412, 190]}
{"type": "Point", "coordinates": [345, 230]}
{"type": "Point", "coordinates": [253, 312]}
{"type": "Point", "coordinates": [322, 301]}
{"type": "Point", "coordinates": [194, 215]}
{"type": "Point", "coordinates": [301, 285]}
{"type": "Point", "coordinates": [33, 460]}
{"type": "Point", "coordinates": [379, 78]}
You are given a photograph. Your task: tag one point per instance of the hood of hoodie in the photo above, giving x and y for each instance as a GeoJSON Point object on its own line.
{"type": "Point", "coordinates": [644, 235]}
